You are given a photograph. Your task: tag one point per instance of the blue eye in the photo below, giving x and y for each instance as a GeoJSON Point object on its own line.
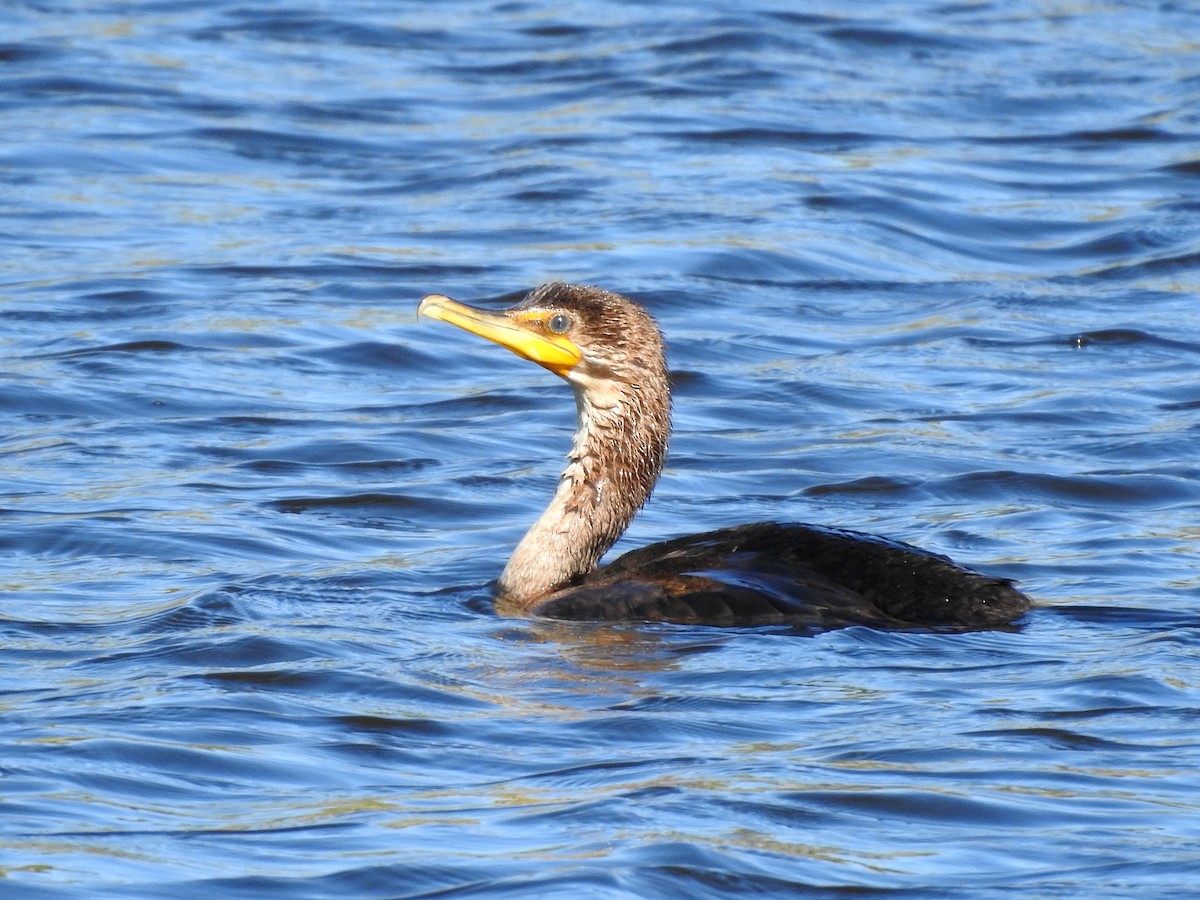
{"type": "Point", "coordinates": [559, 323]}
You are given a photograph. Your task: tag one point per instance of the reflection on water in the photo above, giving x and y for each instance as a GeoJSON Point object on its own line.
{"type": "Point", "coordinates": [924, 270]}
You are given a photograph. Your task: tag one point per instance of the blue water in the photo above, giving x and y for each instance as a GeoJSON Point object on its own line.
{"type": "Point", "coordinates": [926, 269]}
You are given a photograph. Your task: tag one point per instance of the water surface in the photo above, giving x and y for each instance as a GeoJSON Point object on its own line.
{"type": "Point", "coordinates": [928, 270]}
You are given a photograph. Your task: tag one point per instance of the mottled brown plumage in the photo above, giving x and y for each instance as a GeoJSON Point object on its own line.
{"type": "Point", "coordinates": [611, 352]}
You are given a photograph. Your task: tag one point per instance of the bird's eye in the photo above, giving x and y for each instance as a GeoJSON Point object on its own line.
{"type": "Point", "coordinates": [559, 323]}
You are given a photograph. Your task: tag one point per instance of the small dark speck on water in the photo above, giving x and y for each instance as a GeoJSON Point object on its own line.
{"type": "Point", "coordinates": [251, 510]}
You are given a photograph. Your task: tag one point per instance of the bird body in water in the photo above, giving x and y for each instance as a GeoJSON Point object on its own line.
{"type": "Point", "coordinates": [611, 353]}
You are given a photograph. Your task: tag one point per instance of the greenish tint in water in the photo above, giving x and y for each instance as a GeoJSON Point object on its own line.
{"type": "Point", "coordinates": [924, 270]}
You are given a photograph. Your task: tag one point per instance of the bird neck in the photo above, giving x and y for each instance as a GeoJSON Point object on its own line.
{"type": "Point", "coordinates": [619, 449]}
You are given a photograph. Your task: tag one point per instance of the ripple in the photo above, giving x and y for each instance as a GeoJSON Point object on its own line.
{"type": "Point", "coordinates": [1098, 490]}
{"type": "Point", "coordinates": [927, 272]}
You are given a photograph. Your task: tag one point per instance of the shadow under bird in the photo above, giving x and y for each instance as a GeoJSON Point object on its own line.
{"type": "Point", "coordinates": [611, 352]}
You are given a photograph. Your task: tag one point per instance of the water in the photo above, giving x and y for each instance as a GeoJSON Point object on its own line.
{"type": "Point", "coordinates": [926, 269]}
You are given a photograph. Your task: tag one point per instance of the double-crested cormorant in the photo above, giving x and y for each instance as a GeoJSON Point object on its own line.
{"type": "Point", "coordinates": [611, 352]}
